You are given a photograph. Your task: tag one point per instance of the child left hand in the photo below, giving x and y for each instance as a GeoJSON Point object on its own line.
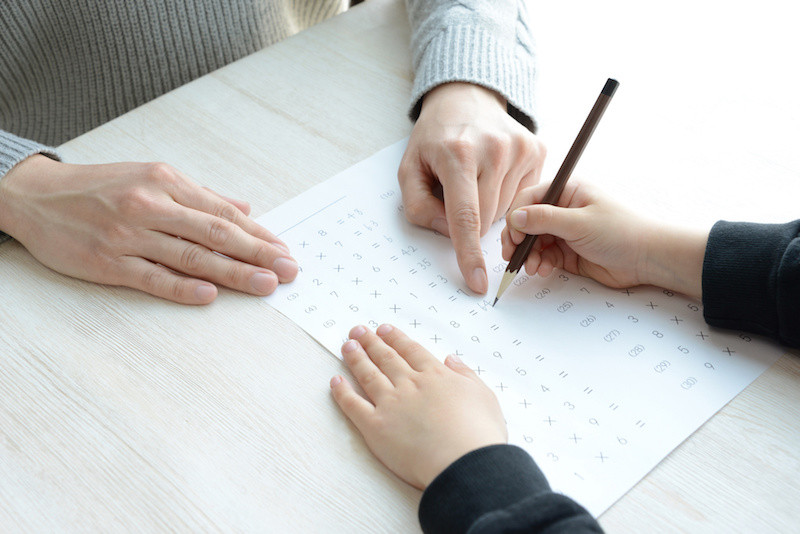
{"type": "Point", "coordinates": [419, 415]}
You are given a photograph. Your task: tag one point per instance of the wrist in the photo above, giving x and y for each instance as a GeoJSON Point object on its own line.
{"type": "Point", "coordinates": [12, 186]}
{"type": "Point", "coordinates": [463, 93]}
{"type": "Point", "coordinates": [674, 259]}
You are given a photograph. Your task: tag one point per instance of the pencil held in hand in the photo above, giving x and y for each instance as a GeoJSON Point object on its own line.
{"type": "Point", "coordinates": [563, 174]}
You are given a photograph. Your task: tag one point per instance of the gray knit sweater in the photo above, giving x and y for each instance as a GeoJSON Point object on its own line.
{"type": "Point", "coordinates": [67, 66]}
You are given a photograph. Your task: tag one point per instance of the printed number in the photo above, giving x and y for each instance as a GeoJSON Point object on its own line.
{"type": "Point", "coordinates": [499, 267]}
{"type": "Point", "coordinates": [329, 323]}
{"type": "Point", "coordinates": [564, 307]}
{"type": "Point", "coordinates": [611, 336]}
{"type": "Point", "coordinates": [518, 281]}
{"type": "Point", "coordinates": [311, 309]}
{"type": "Point", "coordinates": [693, 307]}
{"type": "Point", "coordinates": [521, 371]}
{"type": "Point", "coordinates": [683, 349]}
{"type": "Point", "coordinates": [353, 307]}
{"type": "Point", "coordinates": [635, 351]}
{"type": "Point", "coordinates": [292, 296]}
{"type": "Point", "coordinates": [633, 318]}
{"type": "Point", "coordinates": [323, 233]}
{"type": "Point", "coordinates": [585, 290]}
{"type": "Point", "coordinates": [588, 320]}
{"type": "Point", "coordinates": [746, 338]}
{"type": "Point", "coordinates": [542, 294]}
{"type": "Point", "coordinates": [689, 383]}
{"type": "Point", "coordinates": [497, 354]}
{"type": "Point", "coordinates": [454, 324]}
{"type": "Point", "coordinates": [316, 282]}
{"type": "Point", "coordinates": [552, 456]}
{"type": "Point", "coordinates": [669, 293]}
{"type": "Point", "coordinates": [661, 366]}
{"type": "Point", "coordinates": [563, 277]}
{"type": "Point", "coordinates": [569, 405]}
{"type": "Point", "coordinates": [357, 256]}
{"type": "Point", "coordinates": [658, 334]}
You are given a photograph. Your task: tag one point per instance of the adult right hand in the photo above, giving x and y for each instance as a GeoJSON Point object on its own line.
{"type": "Point", "coordinates": [142, 225]}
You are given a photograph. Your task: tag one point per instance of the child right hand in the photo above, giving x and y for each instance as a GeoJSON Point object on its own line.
{"type": "Point", "coordinates": [590, 235]}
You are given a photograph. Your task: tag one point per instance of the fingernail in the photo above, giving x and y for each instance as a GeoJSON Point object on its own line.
{"type": "Point", "coordinates": [454, 358]}
{"type": "Point", "coordinates": [384, 329]}
{"type": "Point", "coordinates": [335, 381]}
{"type": "Point", "coordinates": [440, 225]}
{"type": "Point", "coordinates": [282, 246]}
{"type": "Point", "coordinates": [205, 292]}
{"type": "Point", "coordinates": [285, 268]}
{"type": "Point", "coordinates": [479, 280]}
{"type": "Point", "coordinates": [350, 346]}
{"type": "Point", "coordinates": [263, 282]}
{"type": "Point", "coordinates": [519, 218]}
{"type": "Point", "coordinates": [357, 332]}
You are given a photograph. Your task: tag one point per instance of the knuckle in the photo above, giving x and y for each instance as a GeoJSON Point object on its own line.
{"type": "Point", "coordinates": [263, 255]}
{"type": "Point", "coordinates": [467, 216]}
{"type": "Point", "coordinates": [193, 258]}
{"type": "Point", "coordinates": [234, 275]}
{"type": "Point", "coordinates": [137, 201]}
{"type": "Point", "coordinates": [370, 377]}
{"type": "Point", "coordinates": [226, 211]}
{"type": "Point", "coordinates": [219, 232]}
{"type": "Point", "coordinates": [498, 147]}
{"type": "Point", "coordinates": [161, 174]}
{"type": "Point", "coordinates": [415, 211]}
{"type": "Point", "coordinates": [462, 149]}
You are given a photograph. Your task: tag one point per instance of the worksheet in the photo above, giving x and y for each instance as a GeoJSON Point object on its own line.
{"type": "Point", "coordinates": [597, 384]}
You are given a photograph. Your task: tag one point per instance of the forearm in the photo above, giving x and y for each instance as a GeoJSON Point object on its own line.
{"type": "Point", "coordinates": [494, 44]}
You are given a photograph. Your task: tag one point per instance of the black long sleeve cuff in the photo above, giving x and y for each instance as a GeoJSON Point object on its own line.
{"type": "Point", "coordinates": [751, 279]}
{"type": "Point", "coordinates": [499, 489]}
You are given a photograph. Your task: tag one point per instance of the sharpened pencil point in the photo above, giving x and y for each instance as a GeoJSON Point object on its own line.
{"type": "Point", "coordinates": [495, 302]}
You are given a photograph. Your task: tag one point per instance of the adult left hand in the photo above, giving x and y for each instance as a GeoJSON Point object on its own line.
{"type": "Point", "coordinates": [465, 161]}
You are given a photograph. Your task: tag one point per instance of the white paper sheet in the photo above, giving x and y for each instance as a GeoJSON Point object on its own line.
{"type": "Point", "coordinates": [597, 384]}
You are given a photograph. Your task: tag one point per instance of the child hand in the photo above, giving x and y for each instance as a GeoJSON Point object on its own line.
{"type": "Point", "coordinates": [419, 415]}
{"type": "Point", "coordinates": [587, 234]}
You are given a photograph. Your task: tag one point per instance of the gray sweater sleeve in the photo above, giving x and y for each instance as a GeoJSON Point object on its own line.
{"type": "Point", "coordinates": [485, 42]}
{"type": "Point", "coordinates": [14, 149]}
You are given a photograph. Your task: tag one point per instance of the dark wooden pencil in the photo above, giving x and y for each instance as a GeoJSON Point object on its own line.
{"type": "Point", "coordinates": [563, 174]}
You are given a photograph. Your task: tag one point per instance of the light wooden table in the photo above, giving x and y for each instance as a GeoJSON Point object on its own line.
{"type": "Point", "coordinates": [119, 411]}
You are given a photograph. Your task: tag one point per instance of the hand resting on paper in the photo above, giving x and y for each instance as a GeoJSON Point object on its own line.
{"type": "Point", "coordinates": [466, 148]}
{"type": "Point", "coordinates": [420, 415]}
{"type": "Point", "coordinates": [141, 225]}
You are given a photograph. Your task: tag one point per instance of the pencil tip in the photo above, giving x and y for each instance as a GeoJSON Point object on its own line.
{"type": "Point", "coordinates": [495, 302]}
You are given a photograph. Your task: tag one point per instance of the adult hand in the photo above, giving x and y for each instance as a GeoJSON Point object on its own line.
{"type": "Point", "coordinates": [591, 235]}
{"type": "Point", "coordinates": [141, 225]}
{"type": "Point", "coordinates": [419, 415]}
{"type": "Point", "coordinates": [466, 149]}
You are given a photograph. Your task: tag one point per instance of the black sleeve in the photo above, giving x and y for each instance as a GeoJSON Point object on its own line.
{"type": "Point", "coordinates": [499, 489]}
{"type": "Point", "coordinates": [751, 279]}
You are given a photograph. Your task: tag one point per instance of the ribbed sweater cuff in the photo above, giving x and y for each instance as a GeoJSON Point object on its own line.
{"type": "Point", "coordinates": [474, 55]}
{"type": "Point", "coordinates": [14, 149]}
{"type": "Point", "coordinates": [479, 482]}
{"type": "Point", "coordinates": [742, 273]}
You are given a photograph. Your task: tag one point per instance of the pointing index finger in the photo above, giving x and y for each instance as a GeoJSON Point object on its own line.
{"type": "Point", "coordinates": [464, 221]}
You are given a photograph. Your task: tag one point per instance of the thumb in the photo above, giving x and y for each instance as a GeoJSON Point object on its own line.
{"type": "Point", "coordinates": [567, 223]}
